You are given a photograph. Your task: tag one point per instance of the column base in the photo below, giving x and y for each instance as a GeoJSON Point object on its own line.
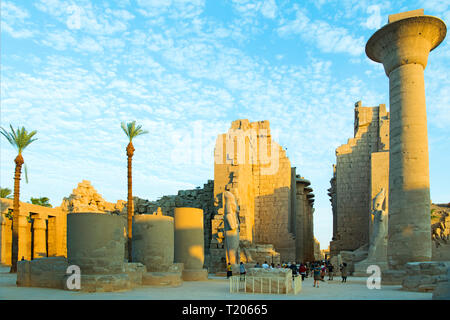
{"type": "Point", "coordinates": [162, 279]}
{"type": "Point", "coordinates": [392, 277]}
{"type": "Point", "coordinates": [361, 267]}
{"type": "Point", "coordinates": [442, 291]}
{"type": "Point", "coordinates": [195, 275]}
{"type": "Point", "coordinates": [221, 274]}
{"type": "Point", "coordinates": [103, 283]}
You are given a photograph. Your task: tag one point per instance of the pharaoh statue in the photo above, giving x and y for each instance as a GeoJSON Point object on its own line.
{"type": "Point", "coordinates": [378, 239]}
{"type": "Point", "coordinates": [158, 212]}
{"type": "Point", "coordinates": [231, 226]}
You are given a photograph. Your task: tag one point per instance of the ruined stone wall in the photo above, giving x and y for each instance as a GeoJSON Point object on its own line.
{"type": "Point", "coordinates": [201, 198]}
{"type": "Point", "coordinates": [259, 173]}
{"type": "Point", "coordinates": [273, 207]}
{"type": "Point", "coordinates": [353, 174]}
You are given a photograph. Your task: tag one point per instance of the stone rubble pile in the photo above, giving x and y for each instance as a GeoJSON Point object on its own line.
{"type": "Point", "coordinates": [85, 198]}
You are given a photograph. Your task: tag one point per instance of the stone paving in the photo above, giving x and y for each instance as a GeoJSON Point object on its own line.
{"type": "Point", "coordinates": [216, 288]}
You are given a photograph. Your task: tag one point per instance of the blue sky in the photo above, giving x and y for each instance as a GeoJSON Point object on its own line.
{"type": "Point", "coordinates": [73, 70]}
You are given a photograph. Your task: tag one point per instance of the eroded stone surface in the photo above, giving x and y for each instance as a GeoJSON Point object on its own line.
{"type": "Point", "coordinates": [42, 272]}
{"type": "Point", "coordinates": [153, 241]}
{"type": "Point", "coordinates": [424, 276]}
{"type": "Point", "coordinates": [356, 178]}
{"type": "Point", "coordinates": [95, 242]}
{"type": "Point", "coordinates": [85, 198]}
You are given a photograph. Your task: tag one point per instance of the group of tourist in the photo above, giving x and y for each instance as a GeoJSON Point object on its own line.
{"type": "Point", "coordinates": [317, 269]}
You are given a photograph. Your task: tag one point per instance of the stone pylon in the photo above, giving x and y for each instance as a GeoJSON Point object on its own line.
{"type": "Point", "coordinates": [403, 46]}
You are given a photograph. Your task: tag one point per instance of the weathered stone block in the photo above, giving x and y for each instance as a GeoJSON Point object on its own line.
{"type": "Point", "coordinates": [424, 276]}
{"type": "Point", "coordinates": [135, 271]}
{"type": "Point", "coordinates": [42, 272]}
{"type": "Point", "coordinates": [259, 280]}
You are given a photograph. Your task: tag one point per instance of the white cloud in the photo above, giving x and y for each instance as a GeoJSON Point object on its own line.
{"type": "Point", "coordinates": [251, 8]}
{"type": "Point", "coordinates": [439, 8]}
{"type": "Point", "coordinates": [374, 21]}
{"type": "Point", "coordinates": [87, 16]}
{"type": "Point", "coordinates": [14, 21]}
{"type": "Point", "coordinates": [88, 44]}
{"type": "Point", "coordinates": [175, 9]}
{"type": "Point", "coordinates": [52, 7]}
{"type": "Point", "coordinates": [326, 37]}
{"type": "Point", "coordinates": [269, 9]}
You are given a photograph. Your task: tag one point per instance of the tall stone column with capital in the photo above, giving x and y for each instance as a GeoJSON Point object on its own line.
{"type": "Point", "coordinates": [403, 46]}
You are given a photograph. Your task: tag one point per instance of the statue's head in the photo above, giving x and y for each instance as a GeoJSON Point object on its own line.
{"type": "Point", "coordinates": [227, 187]}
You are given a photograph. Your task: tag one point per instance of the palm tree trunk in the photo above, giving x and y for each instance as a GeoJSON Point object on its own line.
{"type": "Point", "coordinates": [130, 206]}
{"type": "Point", "coordinates": [16, 204]}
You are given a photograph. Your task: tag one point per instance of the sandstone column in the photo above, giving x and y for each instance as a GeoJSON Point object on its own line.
{"type": "Point", "coordinates": [153, 246]}
{"type": "Point", "coordinates": [23, 237]}
{"type": "Point", "coordinates": [96, 244]}
{"type": "Point", "coordinates": [300, 221]}
{"type": "Point", "coordinates": [189, 243]}
{"type": "Point", "coordinates": [6, 240]}
{"type": "Point", "coordinates": [153, 241]}
{"type": "Point", "coordinates": [403, 46]}
{"type": "Point", "coordinates": [40, 245]}
{"type": "Point", "coordinates": [311, 228]}
{"type": "Point", "coordinates": [309, 233]}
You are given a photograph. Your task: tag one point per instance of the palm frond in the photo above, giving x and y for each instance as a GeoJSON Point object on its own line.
{"type": "Point", "coordinates": [8, 136]}
{"type": "Point", "coordinates": [26, 172]}
{"type": "Point", "coordinates": [19, 138]}
{"type": "Point", "coordinates": [131, 130]}
{"type": "Point", "coordinates": [124, 128]}
{"type": "Point", "coordinates": [5, 193]}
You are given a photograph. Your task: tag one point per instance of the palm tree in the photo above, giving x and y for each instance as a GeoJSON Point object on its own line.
{"type": "Point", "coordinates": [19, 139]}
{"type": "Point", "coordinates": [5, 193]}
{"type": "Point", "coordinates": [42, 201]}
{"type": "Point", "coordinates": [132, 131]}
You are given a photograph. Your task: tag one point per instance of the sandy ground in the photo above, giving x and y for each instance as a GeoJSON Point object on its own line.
{"type": "Point", "coordinates": [214, 289]}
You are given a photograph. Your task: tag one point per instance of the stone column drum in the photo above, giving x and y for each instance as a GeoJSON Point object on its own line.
{"type": "Point", "coordinates": [95, 243]}
{"type": "Point", "coordinates": [153, 246]}
{"type": "Point", "coordinates": [189, 243]}
{"type": "Point", "coordinates": [153, 241]}
{"type": "Point", "coordinates": [403, 46]}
